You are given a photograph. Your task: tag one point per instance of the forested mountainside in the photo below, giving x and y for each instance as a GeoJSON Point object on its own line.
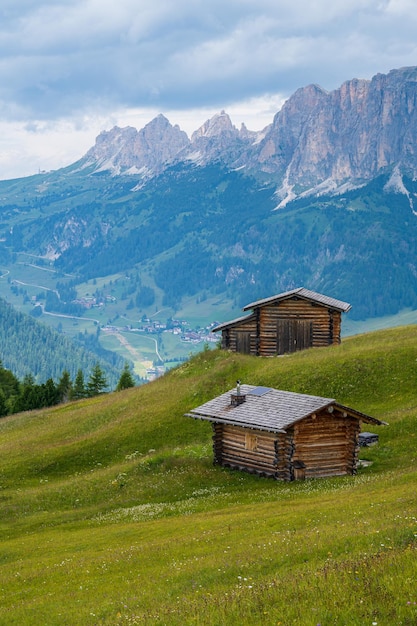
{"type": "Point", "coordinates": [209, 230]}
{"type": "Point", "coordinates": [28, 348]}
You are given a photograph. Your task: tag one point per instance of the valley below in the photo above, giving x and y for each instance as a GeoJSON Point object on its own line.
{"type": "Point", "coordinates": [153, 341]}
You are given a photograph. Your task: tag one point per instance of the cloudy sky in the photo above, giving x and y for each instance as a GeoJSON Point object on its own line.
{"type": "Point", "coordinates": [71, 68]}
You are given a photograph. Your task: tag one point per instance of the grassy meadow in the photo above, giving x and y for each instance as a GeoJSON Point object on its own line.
{"type": "Point", "coordinates": [112, 513]}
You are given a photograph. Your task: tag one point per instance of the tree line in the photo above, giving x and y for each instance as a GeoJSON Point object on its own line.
{"type": "Point", "coordinates": [26, 395]}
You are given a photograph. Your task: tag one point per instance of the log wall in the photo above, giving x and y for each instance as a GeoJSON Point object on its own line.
{"type": "Point", "coordinates": [254, 451]}
{"type": "Point", "coordinates": [316, 447]}
{"type": "Point", "coordinates": [285, 449]}
{"type": "Point", "coordinates": [241, 338]}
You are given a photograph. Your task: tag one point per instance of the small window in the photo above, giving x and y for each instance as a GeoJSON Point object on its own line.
{"type": "Point", "coordinates": [251, 441]}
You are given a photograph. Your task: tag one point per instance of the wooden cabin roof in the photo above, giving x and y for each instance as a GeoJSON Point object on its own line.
{"type": "Point", "coordinates": [304, 294]}
{"type": "Point", "coordinates": [269, 409]}
{"type": "Point", "coordinates": [237, 320]}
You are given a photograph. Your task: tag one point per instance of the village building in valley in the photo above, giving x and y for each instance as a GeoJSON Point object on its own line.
{"type": "Point", "coordinates": [284, 323]}
{"type": "Point", "coordinates": [283, 435]}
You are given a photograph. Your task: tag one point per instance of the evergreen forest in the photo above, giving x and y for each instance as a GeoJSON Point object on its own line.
{"type": "Point", "coordinates": [194, 230]}
{"type": "Point", "coordinates": [26, 395]}
{"type": "Point", "coordinates": [29, 348]}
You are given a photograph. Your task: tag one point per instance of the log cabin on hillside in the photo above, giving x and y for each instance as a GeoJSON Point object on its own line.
{"type": "Point", "coordinates": [283, 435]}
{"type": "Point", "coordinates": [284, 323]}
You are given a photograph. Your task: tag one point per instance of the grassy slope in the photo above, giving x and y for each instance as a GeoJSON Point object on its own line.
{"type": "Point", "coordinates": [111, 511]}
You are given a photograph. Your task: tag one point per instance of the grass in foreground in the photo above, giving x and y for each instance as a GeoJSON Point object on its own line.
{"type": "Point", "coordinates": [112, 513]}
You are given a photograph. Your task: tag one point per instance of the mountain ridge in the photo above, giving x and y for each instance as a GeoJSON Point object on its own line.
{"type": "Point", "coordinates": [319, 140]}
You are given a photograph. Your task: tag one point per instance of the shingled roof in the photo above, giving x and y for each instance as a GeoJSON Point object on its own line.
{"type": "Point", "coordinates": [305, 294]}
{"type": "Point", "coordinates": [269, 409]}
{"type": "Point", "coordinates": [237, 320]}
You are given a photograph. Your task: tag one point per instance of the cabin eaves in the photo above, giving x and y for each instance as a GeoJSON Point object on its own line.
{"type": "Point", "coordinates": [236, 321]}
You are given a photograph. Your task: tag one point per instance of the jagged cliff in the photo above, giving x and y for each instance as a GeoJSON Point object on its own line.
{"type": "Point", "coordinates": [351, 134]}
{"type": "Point", "coordinates": [144, 151]}
{"type": "Point", "coordinates": [318, 140]}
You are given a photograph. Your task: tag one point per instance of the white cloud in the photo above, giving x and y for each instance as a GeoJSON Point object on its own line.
{"type": "Point", "coordinates": [26, 149]}
{"type": "Point", "coordinates": [404, 8]}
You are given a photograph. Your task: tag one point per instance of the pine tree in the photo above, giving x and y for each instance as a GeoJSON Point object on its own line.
{"type": "Point", "coordinates": [3, 406]}
{"type": "Point", "coordinates": [97, 382]}
{"type": "Point", "coordinates": [78, 391]}
{"type": "Point", "coordinates": [9, 384]}
{"type": "Point", "coordinates": [126, 379]}
{"type": "Point", "coordinates": [27, 398]}
{"type": "Point", "coordinates": [49, 393]}
{"type": "Point", "coordinates": [64, 387]}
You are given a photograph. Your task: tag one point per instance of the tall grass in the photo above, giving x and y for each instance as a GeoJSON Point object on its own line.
{"type": "Point", "coordinates": [111, 511]}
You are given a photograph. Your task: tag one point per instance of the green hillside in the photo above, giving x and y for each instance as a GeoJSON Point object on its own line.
{"type": "Point", "coordinates": [112, 512]}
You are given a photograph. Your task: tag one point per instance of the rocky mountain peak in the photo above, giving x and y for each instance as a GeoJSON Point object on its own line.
{"type": "Point", "coordinates": [251, 135]}
{"type": "Point", "coordinates": [160, 126]}
{"type": "Point", "coordinates": [110, 142]}
{"type": "Point", "coordinates": [349, 135]}
{"type": "Point", "coordinates": [217, 125]}
{"type": "Point", "coordinates": [126, 150]}
{"type": "Point", "coordinates": [158, 144]}
{"type": "Point", "coordinates": [218, 139]}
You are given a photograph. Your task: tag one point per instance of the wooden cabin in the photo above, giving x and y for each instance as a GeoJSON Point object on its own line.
{"type": "Point", "coordinates": [284, 323]}
{"type": "Point", "coordinates": [283, 435]}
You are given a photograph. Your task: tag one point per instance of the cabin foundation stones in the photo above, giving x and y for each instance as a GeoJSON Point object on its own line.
{"type": "Point", "coordinates": [283, 435]}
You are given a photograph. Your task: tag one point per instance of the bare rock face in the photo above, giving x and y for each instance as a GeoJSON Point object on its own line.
{"type": "Point", "coordinates": [158, 143]}
{"type": "Point", "coordinates": [218, 125]}
{"type": "Point", "coordinates": [150, 149]}
{"type": "Point", "coordinates": [218, 139]}
{"type": "Point", "coordinates": [353, 133]}
{"type": "Point", "coordinates": [108, 145]}
{"type": "Point", "coordinates": [290, 129]}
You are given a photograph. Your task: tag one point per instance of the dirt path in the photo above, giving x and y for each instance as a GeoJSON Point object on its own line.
{"type": "Point", "coordinates": [128, 346]}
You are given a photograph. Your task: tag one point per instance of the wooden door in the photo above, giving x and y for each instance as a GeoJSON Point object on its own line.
{"type": "Point", "coordinates": [243, 341]}
{"type": "Point", "coordinates": [293, 335]}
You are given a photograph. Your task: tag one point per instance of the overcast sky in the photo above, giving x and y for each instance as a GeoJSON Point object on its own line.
{"type": "Point", "coordinates": [71, 68]}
